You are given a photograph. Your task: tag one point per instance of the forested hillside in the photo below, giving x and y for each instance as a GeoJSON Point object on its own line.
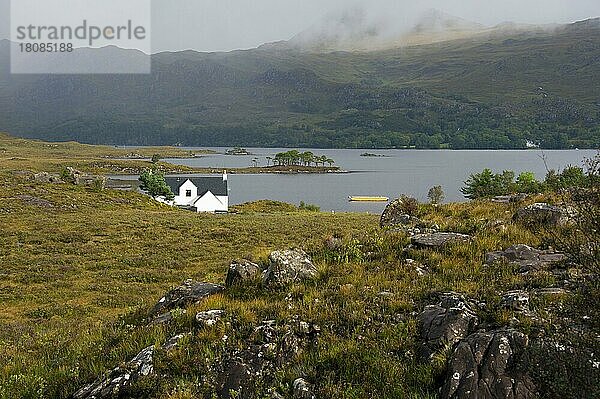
{"type": "Point", "coordinates": [489, 91]}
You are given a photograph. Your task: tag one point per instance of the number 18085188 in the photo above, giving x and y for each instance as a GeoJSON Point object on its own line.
{"type": "Point", "coordinates": [46, 47]}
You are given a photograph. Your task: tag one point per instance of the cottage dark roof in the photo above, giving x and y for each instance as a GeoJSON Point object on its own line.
{"type": "Point", "coordinates": [215, 185]}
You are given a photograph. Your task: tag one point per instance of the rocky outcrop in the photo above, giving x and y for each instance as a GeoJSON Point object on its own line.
{"type": "Point", "coordinates": [446, 323]}
{"type": "Point", "coordinates": [270, 348]}
{"type": "Point", "coordinates": [302, 389]}
{"type": "Point", "coordinates": [395, 218]}
{"type": "Point", "coordinates": [186, 294]}
{"type": "Point", "coordinates": [35, 201]}
{"type": "Point", "coordinates": [241, 272]}
{"type": "Point", "coordinates": [517, 301]}
{"type": "Point", "coordinates": [114, 383]}
{"type": "Point", "coordinates": [541, 215]}
{"type": "Point", "coordinates": [509, 199]}
{"type": "Point", "coordinates": [438, 240]}
{"type": "Point", "coordinates": [289, 266]}
{"type": "Point", "coordinates": [526, 258]}
{"type": "Point", "coordinates": [73, 176]}
{"type": "Point", "coordinates": [45, 177]}
{"type": "Point", "coordinates": [485, 366]}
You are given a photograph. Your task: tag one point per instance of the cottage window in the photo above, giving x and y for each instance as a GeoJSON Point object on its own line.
{"type": "Point", "coordinates": [188, 193]}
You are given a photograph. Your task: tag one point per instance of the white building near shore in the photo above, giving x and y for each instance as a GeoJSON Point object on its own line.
{"type": "Point", "coordinates": [201, 194]}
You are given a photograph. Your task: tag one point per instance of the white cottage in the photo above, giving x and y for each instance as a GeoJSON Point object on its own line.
{"type": "Point", "coordinates": [202, 194]}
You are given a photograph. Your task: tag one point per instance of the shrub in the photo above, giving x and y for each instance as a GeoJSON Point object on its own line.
{"type": "Point", "coordinates": [436, 194]}
{"type": "Point", "coordinates": [409, 205]}
{"type": "Point", "coordinates": [582, 241]}
{"type": "Point", "coordinates": [488, 184]}
{"type": "Point", "coordinates": [309, 207]}
{"type": "Point", "coordinates": [571, 176]}
{"type": "Point", "coordinates": [66, 175]}
{"type": "Point", "coordinates": [154, 184]}
{"type": "Point", "coordinates": [527, 183]}
{"type": "Point", "coordinates": [155, 158]}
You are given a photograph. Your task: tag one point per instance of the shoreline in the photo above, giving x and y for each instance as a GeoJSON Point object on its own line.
{"type": "Point", "coordinates": [177, 171]}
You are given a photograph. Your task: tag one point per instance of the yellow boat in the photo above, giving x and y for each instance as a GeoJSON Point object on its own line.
{"type": "Point", "coordinates": [368, 199]}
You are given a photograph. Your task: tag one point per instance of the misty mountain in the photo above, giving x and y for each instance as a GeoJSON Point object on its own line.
{"type": "Point", "coordinates": [483, 91]}
{"type": "Point", "coordinates": [354, 30]}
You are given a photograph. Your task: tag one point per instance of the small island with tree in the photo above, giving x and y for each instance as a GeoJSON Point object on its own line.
{"type": "Point", "coordinates": [294, 161]}
{"type": "Point", "coordinates": [238, 151]}
{"type": "Point", "coordinates": [372, 155]}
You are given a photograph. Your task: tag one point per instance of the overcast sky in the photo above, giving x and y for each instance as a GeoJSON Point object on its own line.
{"type": "Point", "coordinates": [221, 25]}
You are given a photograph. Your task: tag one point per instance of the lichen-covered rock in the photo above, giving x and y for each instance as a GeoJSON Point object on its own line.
{"type": "Point", "coordinates": [210, 317]}
{"type": "Point", "coordinates": [114, 383]}
{"type": "Point", "coordinates": [509, 199]}
{"type": "Point", "coordinates": [438, 240]}
{"type": "Point", "coordinates": [394, 215]}
{"type": "Point", "coordinates": [516, 300]}
{"type": "Point", "coordinates": [241, 272]}
{"type": "Point", "coordinates": [72, 175]}
{"type": "Point", "coordinates": [119, 378]}
{"type": "Point", "coordinates": [186, 294]}
{"type": "Point", "coordinates": [45, 177]}
{"type": "Point", "coordinates": [485, 366]}
{"type": "Point", "coordinates": [541, 214]}
{"type": "Point", "coordinates": [289, 266]}
{"type": "Point", "coordinates": [446, 322]}
{"type": "Point", "coordinates": [527, 258]}
{"type": "Point", "coordinates": [395, 218]}
{"type": "Point", "coordinates": [302, 389]}
{"type": "Point", "coordinates": [270, 347]}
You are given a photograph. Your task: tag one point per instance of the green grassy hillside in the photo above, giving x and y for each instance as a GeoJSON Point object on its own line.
{"type": "Point", "coordinates": [494, 91]}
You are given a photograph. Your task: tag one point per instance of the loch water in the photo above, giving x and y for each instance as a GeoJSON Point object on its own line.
{"type": "Point", "coordinates": [395, 172]}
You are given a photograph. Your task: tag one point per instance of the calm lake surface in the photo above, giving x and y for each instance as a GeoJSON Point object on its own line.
{"type": "Point", "coordinates": [410, 172]}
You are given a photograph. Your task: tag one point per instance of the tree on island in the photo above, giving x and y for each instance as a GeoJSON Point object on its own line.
{"type": "Point", "coordinates": [307, 158]}
{"type": "Point", "coordinates": [154, 184]}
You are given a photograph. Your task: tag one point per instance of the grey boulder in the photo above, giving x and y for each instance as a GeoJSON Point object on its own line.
{"type": "Point", "coordinates": [541, 215]}
{"type": "Point", "coordinates": [446, 323]}
{"type": "Point", "coordinates": [188, 293]}
{"type": "Point", "coordinates": [302, 389]}
{"type": "Point", "coordinates": [517, 301]}
{"type": "Point", "coordinates": [289, 266]}
{"type": "Point", "coordinates": [525, 257]}
{"type": "Point", "coordinates": [438, 240]}
{"type": "Point", "coordinates": [114, 383]}
{"type": "Point", "coordinates": [485, 366]}
{"type": "Point", "coordinates": [240, 272]}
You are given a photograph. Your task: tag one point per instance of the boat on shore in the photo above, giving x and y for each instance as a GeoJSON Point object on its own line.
{"type": "Point", "coordinates": [355, 198]}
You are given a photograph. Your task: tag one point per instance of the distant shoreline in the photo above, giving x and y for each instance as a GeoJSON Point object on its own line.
{"type": "Point", "coordinates": [287, 170]}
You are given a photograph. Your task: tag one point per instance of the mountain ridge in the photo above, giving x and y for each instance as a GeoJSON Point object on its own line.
{"type": "Point", "coordinates": [485, 92]}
